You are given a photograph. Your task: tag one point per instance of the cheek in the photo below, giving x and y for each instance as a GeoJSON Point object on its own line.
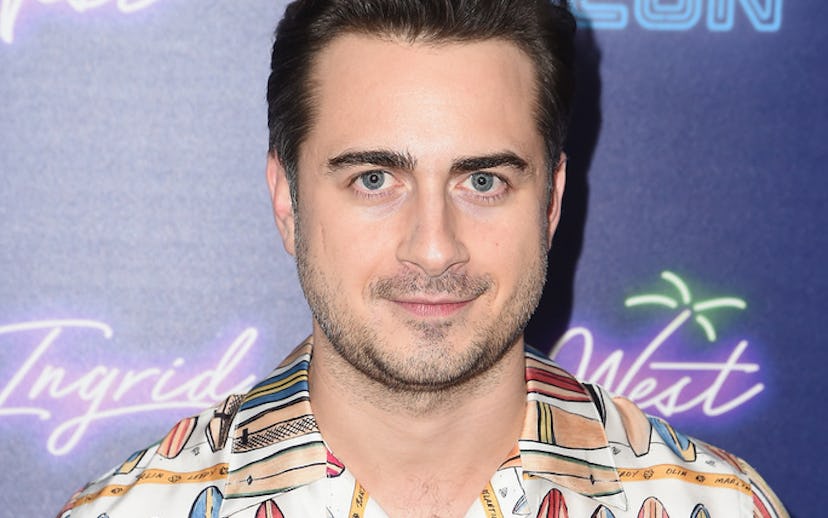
{"type": "Point", "coordinates": [519, 229]}
{"type": "Point", "coordinates": [502, 248]}
{"type": "Point", "coordinates": [507, 245]}
{"type": "Point", "coordinates": [347, 247]}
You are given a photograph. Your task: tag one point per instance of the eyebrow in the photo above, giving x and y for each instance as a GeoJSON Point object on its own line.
{"type": "Point", "coordinates": [377, 157]}
{"type": "Point", "coordinates": [404, 161]}
{"type": "Point", "coordinates": [477, 163]}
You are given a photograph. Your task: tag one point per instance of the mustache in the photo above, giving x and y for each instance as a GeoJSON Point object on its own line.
{"type": "Point", "coordinates": [461, 285]}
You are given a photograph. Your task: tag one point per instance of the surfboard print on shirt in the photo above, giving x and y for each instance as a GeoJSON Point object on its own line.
{"type": "Point", "coordinates": [174, 442]}
{"type": "Point", "coordinates": [602, 512]}
{"type": "Point", "coordinates": [207, 504]}
{"type": "Point", "coordinates": [675, 440]}
{"type": "Point", "coordinates": [269, 509]}
{"type": "Point", "coordinates": [700, 512]}
{"type": "Point", "coordinates": [652, 508]}
{"type": "Point", "coordinates": [130, 463]}
{"type": "Point", "coordinates": [335, 466]}
{"type": "Point", "coordinates": [636, 425]}
{"type": "Point", "coordinates": [553, 505]}
{"type": "Point", "coordinates": [218, 428]}
{"type": "Point", "coordinates": [521, 507]}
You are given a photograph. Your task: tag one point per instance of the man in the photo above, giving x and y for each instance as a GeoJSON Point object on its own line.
{"type": "Point", "coordinates": [416, 171]}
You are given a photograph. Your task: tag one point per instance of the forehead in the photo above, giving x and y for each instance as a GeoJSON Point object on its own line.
{"type": "Point", "coordinates": [351, 47]}
{"type": "Point", "coordinates": [370, 91]}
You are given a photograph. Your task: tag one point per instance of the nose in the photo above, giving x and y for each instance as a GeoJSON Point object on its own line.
{"type": "Point", "coordinates": [431, 242]}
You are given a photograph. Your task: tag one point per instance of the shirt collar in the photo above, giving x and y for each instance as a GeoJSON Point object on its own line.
{"type": "Point", "coordinates": [563, 438]}
{"type": "Point", "coordinates": [278, 447]}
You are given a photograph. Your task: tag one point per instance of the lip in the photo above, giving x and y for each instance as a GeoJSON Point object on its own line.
{"type": "Point", "coordinates": [428, 308]}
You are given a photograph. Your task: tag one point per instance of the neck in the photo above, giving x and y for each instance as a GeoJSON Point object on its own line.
{"type": "Point", "coordinates": [395, 443]}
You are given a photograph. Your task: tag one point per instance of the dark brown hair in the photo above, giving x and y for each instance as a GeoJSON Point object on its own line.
{"type": "Point", "coordinates": [543, 29]}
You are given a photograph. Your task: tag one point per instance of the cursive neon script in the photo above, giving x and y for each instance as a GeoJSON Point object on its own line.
{"type": "Point", "coordinates": [10, 10]}
{"type": "Point", "coordinates": [43, 382]}
{"type": "Point", "coordinates": [640, 381]}
{"type": "Point", "coordinates": [104, 391]}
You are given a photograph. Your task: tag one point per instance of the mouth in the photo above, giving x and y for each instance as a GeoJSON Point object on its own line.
{"type": "Point", "coordinates": [432, 308]}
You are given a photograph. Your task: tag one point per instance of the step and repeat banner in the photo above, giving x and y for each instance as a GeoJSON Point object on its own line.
{"type": "Point", "coordinates": [142, 278]}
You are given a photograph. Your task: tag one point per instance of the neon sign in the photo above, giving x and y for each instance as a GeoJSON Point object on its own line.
{"type": "Point", "coordinates": [47, 380]}
{"type": "Point", "coordinates": [40, 387]}
{"type": "Point", "coordinates": [10, 10]}
{"type": "Point", "coordinates": [678, 15]}
{"type": "Point", "coordinates": [655, 15]}
{"type": "Point", "coordinates": [650, 380]}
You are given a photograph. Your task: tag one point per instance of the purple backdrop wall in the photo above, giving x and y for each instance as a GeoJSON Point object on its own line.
{"type": "Point", "coordinates": [142, 276]}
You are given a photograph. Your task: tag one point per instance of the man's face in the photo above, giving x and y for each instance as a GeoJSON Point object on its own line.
{"type": "Point", "coordinates": [423, 216]}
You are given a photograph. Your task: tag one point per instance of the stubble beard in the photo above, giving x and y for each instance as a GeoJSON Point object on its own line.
{"type": "Point", "coordinates": [432, 365]}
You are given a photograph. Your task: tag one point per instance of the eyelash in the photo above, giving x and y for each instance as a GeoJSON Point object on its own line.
{"type": "Point", "coordinates": [367, 194]}
{"type": "Point", "coordinates": [489, 199]}
{"type": "Point", "coordinates": [480, 198]}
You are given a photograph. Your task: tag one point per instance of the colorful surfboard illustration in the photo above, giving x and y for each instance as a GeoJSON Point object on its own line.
{"type": "Point", "coordinates": [636, 425]}
{"type": "Point", "coordinates": [652, 508]}
{"type": "Point", "coordinates": [269, 509]}
{"type": "Point", "coordinates": [218, 428]}
{"type": "Point", "coordinates": [700, 512]}
{"type": "Point", "coordinates": [287, 383]}
{"type": "Point", "coordinates": [273, 425]}
{"type": "Point", "coordinates": [760, 510]}
{"type": "Point", "coordinates": [553, 505]}
{"type": "Point", "coordinates": [545, 378]}
{"type": "Point", "coordinates": [174, 442]}
{"type": "Point", "coordinates": [268, 475]}
{"type": "Point", "coordinates": [678, 442]}
{"type": "Point", "coordinates": [521, 507]}
{"type": "Point", "coordinates": [567, 429]}
{"type": "Point", "coordinates": [602, 512]}
{"type": "Point", "coordinates": [207, 504]}
{"type": "Point", "coordinates": [335, 466]}
{"type": "Point", "coordinates": [130, 463]}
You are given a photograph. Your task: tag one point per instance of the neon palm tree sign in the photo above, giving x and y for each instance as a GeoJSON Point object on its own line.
{"type": "Point", "coordinates": [674, 386]}
{"type": "Point", "coordinates": [698, 309]}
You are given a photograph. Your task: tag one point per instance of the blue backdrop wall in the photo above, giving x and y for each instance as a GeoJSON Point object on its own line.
{"type": "Point", "coordinates": [142, 277]}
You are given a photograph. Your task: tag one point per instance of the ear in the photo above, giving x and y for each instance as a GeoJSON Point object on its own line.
{"type": "Point", "coordinates": [282, 204]}
{"type": "Point", "coordinates": [553, 211]}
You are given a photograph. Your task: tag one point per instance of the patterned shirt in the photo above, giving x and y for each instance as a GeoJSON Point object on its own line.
{"type": "Point", "coordinates": [582, 454]}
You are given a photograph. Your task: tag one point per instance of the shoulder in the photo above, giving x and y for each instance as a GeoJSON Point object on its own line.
{"type": "Point", "coordinates": [650, 453]}
{"type": "Point", "coordinates": [191, 459]}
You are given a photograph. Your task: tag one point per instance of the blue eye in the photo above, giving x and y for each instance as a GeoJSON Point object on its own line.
{"type": "Point", "coordinates": [483, 182]}
{"type": "Point", "coordinates": [372, 180]}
